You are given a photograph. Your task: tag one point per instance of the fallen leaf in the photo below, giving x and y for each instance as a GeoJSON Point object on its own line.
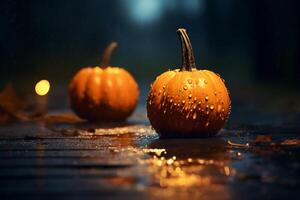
{"type": "Point", "coordinates": [5, 117]}
{"type": "Point", "coordinates": [263, 139]}
{"type": "Point", "coordinates": [9, 101]}
{"type": "Point", "coordinates": [10, 105]}
{"type": "Point", "coordinates": [291, 142]}
{"type": "Point", "coordinates": [238, 144]}
{"type": "Point", "coordinates": [122, 181]}
{"type": "Point", "coordinates": [68, 118]}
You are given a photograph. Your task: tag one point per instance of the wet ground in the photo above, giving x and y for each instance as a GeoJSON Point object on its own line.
{"type": "Point", "coordinates": [256, 156]}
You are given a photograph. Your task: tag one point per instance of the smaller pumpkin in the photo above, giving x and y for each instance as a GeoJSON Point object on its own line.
{"type": "Point", "coordinates": [187, 102]}
{"type": "Point", "coordinates": [103, 93]}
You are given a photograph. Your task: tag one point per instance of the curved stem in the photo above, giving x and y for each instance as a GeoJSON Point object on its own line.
{"type": "Point", "coordinates": [107, 54]}
{"type": "Point", "coordinates": [188, 59]}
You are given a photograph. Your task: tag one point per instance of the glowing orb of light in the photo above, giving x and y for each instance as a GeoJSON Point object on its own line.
{"type": "Point", "coordinates": [42, 87]}
{"type": "Point", "coordinates": [144, 11]}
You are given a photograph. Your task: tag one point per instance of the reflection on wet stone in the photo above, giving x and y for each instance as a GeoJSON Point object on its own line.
{"type": "Point", "coordinates": [130, 157]}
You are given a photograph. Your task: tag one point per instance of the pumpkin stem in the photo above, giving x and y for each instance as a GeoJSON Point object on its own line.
{"type": "Point", "coordinates": [107, 54]}
{"type": "Point", "coordinates": [188, 59]}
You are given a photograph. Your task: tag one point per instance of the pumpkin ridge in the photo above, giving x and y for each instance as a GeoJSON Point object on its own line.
{"type": "Point", "coordinates": [164, 98]}
{"type": "Point", "coordinates": [169, 83]}
{"type": "Point", "coordinates": [229, 101]}
{"type": "Point", "coordinates": [88, 79]}
{"type": "Point", "coordinates": [227, 94]}
{"type": "Point", "coordinates": [81, 104]}
{"type": "Point", "coordinates": [85, 80]}
{"type": "Point", "coordinates": [214, 102]}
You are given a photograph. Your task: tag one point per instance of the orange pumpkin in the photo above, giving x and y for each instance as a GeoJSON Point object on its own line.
{"type": "Point", "coordinates": [103, 93]}
{"type": "Point", "coordinates": [187, 102]}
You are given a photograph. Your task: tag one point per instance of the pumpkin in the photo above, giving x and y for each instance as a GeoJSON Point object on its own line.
{"type": "Point", "coordinates": [187, 102]}
{"type": "Point", "coordinates": [103, 93]}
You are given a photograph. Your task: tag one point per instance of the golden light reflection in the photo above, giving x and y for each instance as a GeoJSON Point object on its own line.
{"type": "Point", "coordinates": [226, 170]}
{"type": "Point", "coordinates": [167, 172]}
{"type": "Point", "coordinates": [178, 173]}
{"type": "Point", "coordinates": [42, 87]}
{"type": "Point", "coordinates": [171, 172]}
{"type": "Point", "coordinates": [157, 152]}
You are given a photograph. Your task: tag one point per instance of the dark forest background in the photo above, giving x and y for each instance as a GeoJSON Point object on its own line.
{"type": "Point", "coordinates": [249, 41]}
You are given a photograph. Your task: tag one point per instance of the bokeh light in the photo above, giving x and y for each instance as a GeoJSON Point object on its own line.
{"type": "Point", "coordinates": [42, 87]}
{"type": "Point", "coordinates": [144, 11]}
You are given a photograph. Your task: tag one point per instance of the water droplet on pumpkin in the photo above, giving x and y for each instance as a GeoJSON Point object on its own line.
{"type": "Point", "coordinates": [164, 94]}
{"type": "Point", "coordinates": [175, 104]}
{"type": "Point", "coordinates": [223, 110]}
{"type": "Point", "coordinates": [159, 92]}
{"type": "Point", "coordinates": [150, 102]}
{"type": "Point", "coordinates": [206, 106]}
{"type": "Point", "coordinates": [171, 100]}
{"type": "Point", "coordinates": [199, 102]}
{"type": "Point", "coordinates": [165, 111]}
{"type": "Point", "coordinates": [205, 81]}
{"type": "Point", "coordinates": [195, 99]}
{"type": "Point", "coordinates": [164, 86]}
{"type": "Point", "coordinates": [206, 98]}
{"type": "Point", "coordinates": [211, 107]}
{"type": "Point", "coordinates": [190, 81]}
{"type": "Point", "coordinates": [194, 115]}
{"type": "Point", "coordinates": [185, 87]}
{"type": "Point", "coordinates": [194, 107]}
{"type": "Point", "coordinates": [207, 124]}
{"type": "Point", "coordinates": [215, 93]}
{"type": "Point", "coordinates": [207, 113]}
{"type": "Point", "coordinates": [190, 96]}
{"type": "Point", "coordinates": [219, 108]}
{"type": "Point", "coordinates": [187, 116]}
{"type": "Point", "coordinates": [183, 101]}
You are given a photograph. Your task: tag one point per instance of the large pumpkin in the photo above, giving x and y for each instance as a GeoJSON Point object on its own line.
{"type": "Point", "coordinates": [103, 93]}
{"type": "Point", "coordinates": [187, 102]}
